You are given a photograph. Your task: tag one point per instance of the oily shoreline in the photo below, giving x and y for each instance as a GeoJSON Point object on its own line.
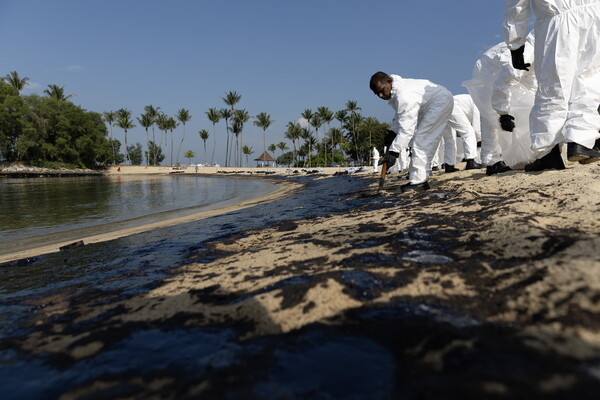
{"type": "Point", "coordinates": [480, 287]}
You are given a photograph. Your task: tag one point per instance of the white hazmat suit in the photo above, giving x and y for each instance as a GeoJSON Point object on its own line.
{"type": "Point", "coordinates": [497, 88]}
{"type": "Point", "coordinates": [375, 158]}
{"type": "Point", "coordinates": [514, 94]}
{"type": "Point", "coordinates": [421, 113]}
{"type": "Point", "coordinates": [466, 121]}
{"type": "Point", "coordinates": [480, 87]}
{"type": "Point", "coordinates": [567, 68]}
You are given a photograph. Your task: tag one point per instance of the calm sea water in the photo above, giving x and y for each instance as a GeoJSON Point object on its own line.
{"type": "Point", "coordinates": [41, 211]}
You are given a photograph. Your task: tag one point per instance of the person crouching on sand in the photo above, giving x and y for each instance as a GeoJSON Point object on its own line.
{"type": "Point", "coordinates": [422, 110]}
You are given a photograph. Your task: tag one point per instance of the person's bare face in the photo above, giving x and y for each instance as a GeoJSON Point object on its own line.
{"type": "Point", "coordinates": [383, 90]}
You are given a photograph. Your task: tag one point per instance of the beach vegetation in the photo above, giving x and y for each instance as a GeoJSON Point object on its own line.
{"type": "Point", "coordinates": [183, 116]}
{"type": "Point", "coordinates": [263, 121]}
{"type": "Point", "coordinates": [124, 122]}
{"type": "Point", "coordinates": [152, 112]}
{"type": "Point", "coordinates": [45, 131]}
{"type": "Point", "coordinates": [204, 136]}
{"type": "Point", "coordinates": [189, 154]}
{"type": "Point", "coordinates": [247, 150]}
{"type": "Point", "coordinates": [155, 152]}
{"type": "Point", "coordinates": [135, 154]}
{"type": "Point", "coordinates": [214, 116]}
{"type": "Point", "coordinates": [287, 159]}
{"type": "Point", "coordinates": [240, 117]}
{"type": "Point", "coordinates": [231, 99]}
{"type": "Point", "coordinates": [14, 80]}
{"type": "Point", "coordinates": [146, 121]}
{"type": "Point", "coordinates": [57, 92]}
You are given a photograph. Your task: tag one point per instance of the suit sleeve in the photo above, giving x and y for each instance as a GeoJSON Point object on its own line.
{"type": "Point", "coordinates": [404, 123]}
{"type": "Point", "coordinates": [516, 19]}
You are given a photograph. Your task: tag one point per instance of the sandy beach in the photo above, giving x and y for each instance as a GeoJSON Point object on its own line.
{"type": "Point", "coordinates": [482, 287]}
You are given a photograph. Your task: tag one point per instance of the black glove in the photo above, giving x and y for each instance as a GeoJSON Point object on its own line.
{"type": "Point", "coordinates": [389, 158]}
{"type": "Point", "coordinates": [518, 61]}
{"type": "Point", "coordinates": [506, 121]}
{"type": "Point", "coordinates": [388, 139]}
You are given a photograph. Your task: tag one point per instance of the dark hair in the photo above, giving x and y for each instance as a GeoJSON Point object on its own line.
{"type": "Point", "coordinates": [377, 78]}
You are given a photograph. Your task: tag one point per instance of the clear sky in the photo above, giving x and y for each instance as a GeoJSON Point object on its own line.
{"type": "Point", "coordinates": [281, 56]}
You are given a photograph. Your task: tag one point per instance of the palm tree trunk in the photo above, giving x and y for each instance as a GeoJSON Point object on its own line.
{"type": "Point", "coordinates": [147, 147]}
{"type": "Point", "coordinates": [212, 161]}
{"type": "Point", "coordinates": [180, 144]}
{"type": "Point", "coordinates": [172, 147]}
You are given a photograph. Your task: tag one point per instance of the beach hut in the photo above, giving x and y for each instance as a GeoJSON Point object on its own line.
{"type": "Point", "coordinates": [264, 160]}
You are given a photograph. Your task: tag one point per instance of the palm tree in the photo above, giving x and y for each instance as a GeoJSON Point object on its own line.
{"type": "Point", "coordinates": [272, 147]}
{"type": "Point", "coordinates": [213, 116]}
{"type": "Point", "coordinates": [146, 121]}
{"type": "Point", "coordinates": [204, 136]}
{"type": "Point", "coordinates": [247, 151]}
{"type": "Point", "coordinates": [153, 113]}
{"type": "Point", "coordinates": [226, 114]}
{"type": "Point", "coordinates": [352, 108]}
{"type": "Point", "coordinates": [293, 133]}
{"type": "Point", "coordinates": [342, 117]}
{"type": "Point", "coordinates": [171, 125]}
{"type": "Point", "coordinates": [354, 123]}
{"type": "Point", "coordinates": [309, 141]}
{"type": "Point", "coordinates": [14, 80]}
{"type": "Point", "coordinates": [282, 146]}
{"type": "Point", "coordinates": [263, 120]}
{"type": "Point", "coordinates": [124, 122]}
{"type": "Point", "coordinates": [336, 139]}
{"type": "Point", "coordinates": [240, 117]}
{"type": "Point", "coordinates": [57, 92]}
{"type": "Point", "coordinates": [326, 116]}
{"type": "Point", "coordinates": [183, 116]}
{"type": "Point", "coordinates": [109, 118]}
{"type": "Point", "coordinates": [162, 122]}
{"type": "Point", "coordinates": [231, 99]}
{"type": "Point", "coordinates": [369, 125]}
{"type": "Point", "coordinates": [316, 121]}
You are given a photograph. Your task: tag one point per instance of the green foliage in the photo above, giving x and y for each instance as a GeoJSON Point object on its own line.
{"type": "Point", "coordinates": [46, 131]}
{"type": "Point", "coordinates": [135, 154]}
{"type": "Point", "coordinates": [156, 152]}
{"type": "Point", "coordinates": [189, 154]}
{"type": "Point", "coordinates": [286, 159]}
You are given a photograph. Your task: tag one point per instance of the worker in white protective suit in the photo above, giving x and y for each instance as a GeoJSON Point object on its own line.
{"type": "Point", "coordinates": [466, 122]}
{"type": "Point", "coordinates": [422, 110]}
{"type": "Point", "coordinates": [446, 150]}
{"type": "Point", "coordinates": [513, 97]}
{"type": "Point", "coordinates": [375, 158]}
{"type": "Point", "coordinates": [481, 88]}
{"type": "Point", "coordinates": [567, 67]}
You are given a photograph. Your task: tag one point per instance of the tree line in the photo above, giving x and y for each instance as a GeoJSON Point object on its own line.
{"type": "Point", "coordinates": [50, 130]}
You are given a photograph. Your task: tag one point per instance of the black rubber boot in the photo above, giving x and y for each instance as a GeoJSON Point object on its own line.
{"type": "Point", "coordinates": [552, 160]}
{"type": "Point", "coordinates": [417, 187]}
{"type": "Point", "coordinates": [577, 152]}
{"type": "Point", "coordinates": [497, 168]}
{"type": "Point", "coordinates": [450, 168]}
{"type": "Point", "coordinates": [472, 164]}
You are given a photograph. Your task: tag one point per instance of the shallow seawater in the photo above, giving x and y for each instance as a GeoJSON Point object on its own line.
{"type": "Point", "coordinates": [51, 210]}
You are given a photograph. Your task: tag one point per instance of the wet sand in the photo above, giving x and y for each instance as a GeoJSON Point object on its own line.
{"type": "Point", "coordinates": [482, 287]}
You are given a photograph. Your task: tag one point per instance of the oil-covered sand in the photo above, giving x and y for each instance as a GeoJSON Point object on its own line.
{"type": "Point", "coordinates": [482, 287]}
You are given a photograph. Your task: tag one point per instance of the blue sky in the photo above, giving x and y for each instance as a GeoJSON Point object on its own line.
{"type": "Point", "coordinates": [281, 56]}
